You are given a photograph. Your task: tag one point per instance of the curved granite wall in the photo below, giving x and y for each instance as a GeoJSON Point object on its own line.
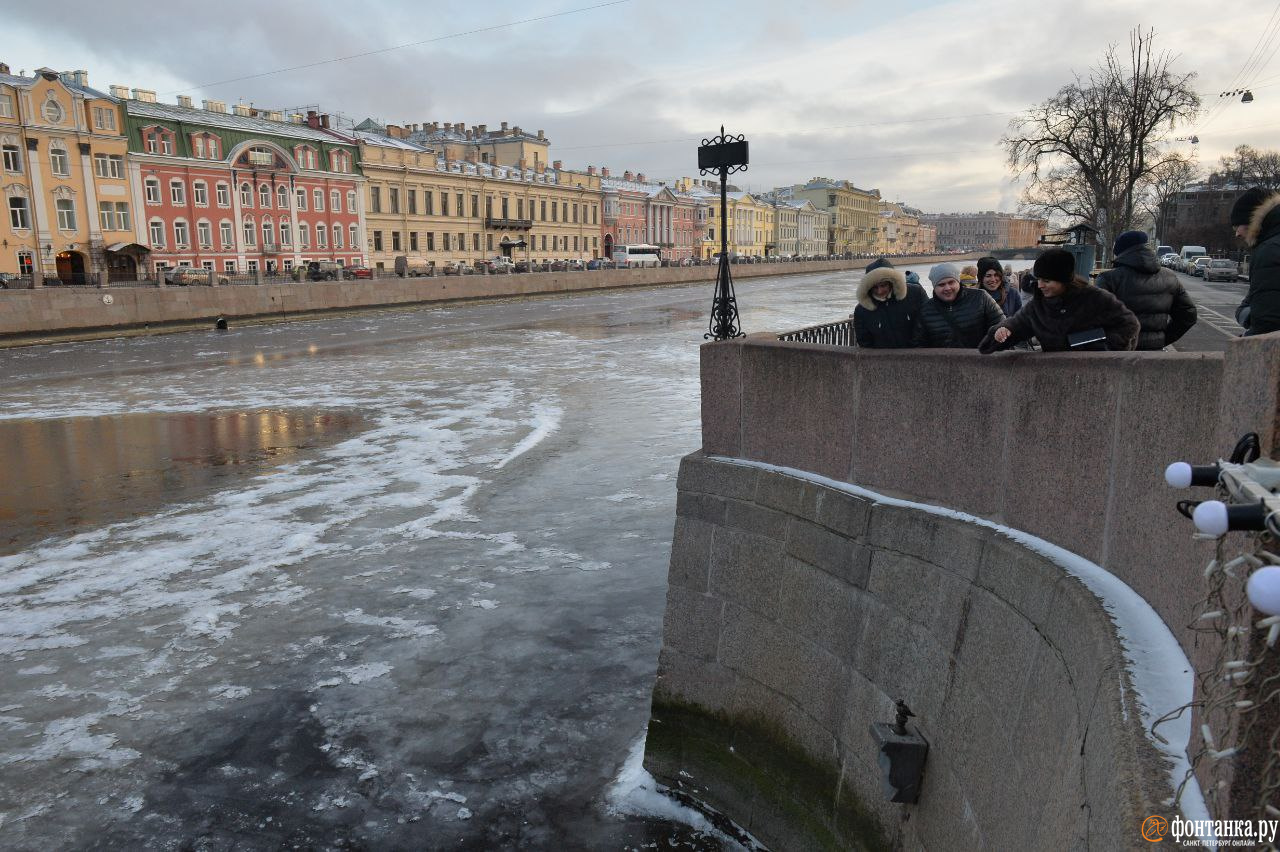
{"type": "Point", "coordinates": [797, 612]}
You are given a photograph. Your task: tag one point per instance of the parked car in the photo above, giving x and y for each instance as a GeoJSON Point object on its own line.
{"type": "Point", "coordinates": [521, 266]}
{"type": "Point", "coordinates": [1220, 269]}
{"type": "Point", "coordinates": [6, 278]}
{"type": "Point", "coordinates": [184, 276]}
{"type": "Point", "coordinates": [1169, 259]}
{"type": "Point", "coordinates": [1198, 264]}
{"type": "Point", "coordinates": [502, 264]}
{"type": "Point", "coordinates": [324, 270]}
{"type": "Point", "coordinates": [358, 272]}
{"type": "Point", "coordinates": [412, 267]}
{"type": "Point", "coordinates": [594, 263]}
{"type": "Point", "coordinates": [452, 267]}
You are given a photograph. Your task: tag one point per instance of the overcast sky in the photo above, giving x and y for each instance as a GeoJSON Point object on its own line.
{"type": "Point", "coordinates": [910, 97]}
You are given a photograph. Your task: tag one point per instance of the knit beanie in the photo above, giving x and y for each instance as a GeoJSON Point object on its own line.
{"type": "Point", "coordinates": [942, 271]}
{"type": "Point", "coordinates": [986, 264]}
{"type": "Point", "coordinates": [1242, 210]}
{"type": "Point", "coordinates": [1128, 240]}
{"type": "Point", "coordinates": [1056, 265]}
{"type": "Point", "coordinates": [879, 263]}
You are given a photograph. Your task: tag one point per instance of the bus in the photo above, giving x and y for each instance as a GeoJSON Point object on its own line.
{"type": "Point", "coordinates": [638, 255]}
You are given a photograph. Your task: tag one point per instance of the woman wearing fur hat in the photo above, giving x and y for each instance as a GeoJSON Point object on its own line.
{"type": "Point", "coordinates": [992, 278]}
{"type": "Point", "coordinates": [956, 317]}
{"type": "Point", "coordinates": [888, 308]}
{"type": "Point", "coordinates": [1070, 314]}
{"type": "Point", "coordinates": [1255, 218]}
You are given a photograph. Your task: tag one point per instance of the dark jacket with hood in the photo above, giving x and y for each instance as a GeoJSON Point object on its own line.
{"type": "Point", "coordinates": [1260, 310]}
{"type": "Point", "coordinates": [889, 324]}
{"type": "Point", "coordinates": [959, 324]}
{"type": "Point", "coordinates": [1153, 293]}
{"type": "Point", "coordinates": [1007, 298]}
{"type": "Point", "coordinates": [1052, 320]}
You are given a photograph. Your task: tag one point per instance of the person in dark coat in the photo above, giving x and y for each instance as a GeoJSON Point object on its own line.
{"type": "Point", "coordinates": [888, 308]}
{"type": "Point", "coordinates": [1069, 315]}
{"type": "Point", "coordinates": [956, 317]}
{"type": "Point", "coordinates": [1153, 293]}
{"type": "Point", "coordinates": [992, 279]}
{"type": "Point", "coordinates": [1255, 217]}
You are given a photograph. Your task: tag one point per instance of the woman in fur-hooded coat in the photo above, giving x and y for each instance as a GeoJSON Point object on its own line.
{"type": "Point", "coordinates": [1256, 218]}
{"type": "Point", "coordinates": [888, 308]}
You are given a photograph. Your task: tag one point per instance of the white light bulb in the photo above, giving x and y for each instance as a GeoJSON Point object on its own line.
{"type": "Point", "coordinates": [1264, 589]}
{"type": "Point", "coordinates": [1211, 517]}
{"type": "Point", "coordinates": [1178, 475]}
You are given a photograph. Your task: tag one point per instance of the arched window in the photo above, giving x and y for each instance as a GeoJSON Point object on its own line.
{"type": "Point", "coordinates": [226, 234]}
{"type": "Point", "coordinates": [223, 193]}
{"type": "Point", "coordinates": [268, 233]}
{"type": "Point", "coordinates": [282, 197]}
{"type": "Point", "coordinates": [286, 233]}
{"type": "Point", "coordinates": [181, 234]}
{"type": "Point", "coordinates": [246, 195]}
{"type": "Point", "coordinates": [335, 201]}
{"type": "Point", "coordinates": [59, 160]}
{"type": "Point", "coordinates": [340, 161]}
{"type": "Point", "coordinates": [200, 193]}
{"type": "Point", "coordinates": [155, 229]}
{"type": "Point", "coordinates": [304, 235]}
{"type": "Point", "coordinates": [151, 187]}
{"type": "Point", "coordinates": [204, 234]}
{"type": "Point", "coordinates": [322, 237]}
{"type": "Point", "coordinates": [264, 196]}
{"type": "Point", "coordinates": [337, 236]}
{"type": "Point", "coordinates": [177, 192]}
{"type": "Point", "coordinates": [351, 202]}
{"type": "Point", "coordinates": [250, 232]}
{"type": "Point", "coordinates": [318, 197]}
{"type": "Point", "coordinates": [354, 235]}
{"type": "Point", "coordinates": [302, 199]}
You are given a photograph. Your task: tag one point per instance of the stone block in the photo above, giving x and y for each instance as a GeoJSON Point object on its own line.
{"type": "Point", "coordinates": [701, 507]}
{"type": "Point", "coordinates": [708, 476]}
{"type": "Point", "coordinates": [902, 659]}
{"type": "Point", "coordinates": [903, 530]}
{"type": "Point", "coordinates": [721, 373]}
{"type": "Point", "coordinates": [995, 649]}
{"type": "Point", "coordinates": [691, 554]}
{"type": "Point", "coordinates": [818, 546]}
{"type": "Point", "coordinates": [1082, 634]}
{"type": "Point", "coordinates": [822, 608]}
{"type": "Point", "coordinates": [747, 570]}
{"type": "Point", "coordinates": [945, 818]}
{"type": "Point", "coordinates": [691, 625]}
{"type": "Point", "coordinates": [749, 642]}
{"type": "Point", "coordinates": [921, 592]}
{"type": "Point", "coordinates": [749, 517]}
{"type": "Point", "coordinates": [788, 494]}
{"type": "Point", "coordinates": [1021, 578]}
{"type": "Point", "coordinates": [843, 513]}
{"type": "Point", "coordinates": [690, 680]}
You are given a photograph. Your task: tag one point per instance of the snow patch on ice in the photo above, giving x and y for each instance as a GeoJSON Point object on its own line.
{"type": "Point", "coordinates": [545, 421]}
{"type": "Point", "coordinates": [400, 628]}
{"type": "Point", "coordinates": [622, 496]}
{"type": "Point", "coordinates": [229, 691]}
{"type": "Point", "coordinates": [39, 670]}
{"type": "Point", "coordinates": [484, 604]}
{"type": "Point", "coordinates": [71, 737]}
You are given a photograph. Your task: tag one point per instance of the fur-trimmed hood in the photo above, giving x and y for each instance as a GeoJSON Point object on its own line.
{"type": "Point", "coordinates": [1258, 225]}
{"type": "Point", "coordinates": [875, 276]}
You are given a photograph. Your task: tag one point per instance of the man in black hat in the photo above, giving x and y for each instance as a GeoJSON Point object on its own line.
{"type": "Point", "coordinates": [1255, 218]}
{"type": "Point", "coordinates": [1153, 293]}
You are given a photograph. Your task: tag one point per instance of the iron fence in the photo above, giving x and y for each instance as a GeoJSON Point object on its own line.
{"type": "Point", "coordinates": [829, 334]}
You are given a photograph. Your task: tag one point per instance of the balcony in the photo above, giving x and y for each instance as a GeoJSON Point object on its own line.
{"type": "Point", "coordinates": [270, 248]}
{"type": "Point", "coordinates": [497, 224]}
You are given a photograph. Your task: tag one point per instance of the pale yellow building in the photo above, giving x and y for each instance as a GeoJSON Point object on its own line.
{"type": "Point", "coordinates": [451, 195]}
{"type": "Point", "coordinates": [70, 213]}
{"type": "Point", "coordinates": [855, 213]}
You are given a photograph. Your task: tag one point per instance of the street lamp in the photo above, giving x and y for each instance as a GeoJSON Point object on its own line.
{"type": "Point", "coordinates": [724, 155]}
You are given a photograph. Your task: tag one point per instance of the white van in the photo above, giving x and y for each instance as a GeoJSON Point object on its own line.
{"type": "Point", "coordinates": [1187, 253]}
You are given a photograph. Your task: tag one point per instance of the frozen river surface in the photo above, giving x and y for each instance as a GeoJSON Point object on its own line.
{"type": "Point", "coordinates": [388, 580]}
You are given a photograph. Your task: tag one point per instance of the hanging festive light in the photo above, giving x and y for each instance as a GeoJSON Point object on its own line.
{"type": "Point", "coordinates": [1264, 589]}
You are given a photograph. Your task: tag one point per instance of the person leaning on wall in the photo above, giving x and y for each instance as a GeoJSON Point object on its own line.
{"type": "Point", "coordinates": [1070, 315]}
{"type": "Point", "coordinates": [1154, 294]}
{"type": "Point", "coordinates": [888, 308]}
{"type": "Point", "coordinates": [1255, 218]}
{"type": "Point", "coordinates": [995, 282]}
{"type": "Point", "coordinates": [956, 317]}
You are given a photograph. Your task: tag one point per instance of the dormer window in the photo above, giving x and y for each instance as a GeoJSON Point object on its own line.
{"type": "Point", "coordinates": [158, 140]}
{"type": "Point", "coordinates": [340, 161]}
{"type": "Point", "coordinates": [205, 146]}
{"type": "Point", "coordinates": [306, 157]}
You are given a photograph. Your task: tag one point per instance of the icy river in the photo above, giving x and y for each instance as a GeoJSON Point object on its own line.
{"type": "Point", "coordinates": [391, 580]}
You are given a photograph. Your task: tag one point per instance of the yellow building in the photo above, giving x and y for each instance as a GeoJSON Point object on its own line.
{"type": "Point", "coordinates": [70, 211]}
{"type": "Point", "coordinates": [440, 195]}
{"type": "Point", "coordinates": [899, 230]}
{"type": "Point", "coordinates": [855, 213]}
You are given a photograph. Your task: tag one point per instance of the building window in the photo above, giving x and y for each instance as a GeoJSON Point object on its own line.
{"type": "Point", "coordinates": [304, 235]}
{"type": "Point", "coordinates": [181, 234]}
{"type": "Point", "coordinates": [489, 242]}
{"type": "Point", "coordinates": [12, 159]}
{"type": "Point", "coordinates": [318, 196]}
{"type": "Point", "coordinates": [375, 199]}
{"type": "Point", "coordinates": [412, 196]}
{"type": "Point", "coordinates": [225, 234]}
{"type": "Point", "coordinates": [335, 201]}
{"type": "Point", "coordinates": [250, 232]}
{"type": "Point", "coordinates": [431, 241]}
{"type": "Point", "coordinates": [66, 214]}
{"type": "Point", "coordinates": [26, 262]}
{"type": "Point", "coordinates": [301, 196]}
{"type": "Point", "coordinates": [377, 241]}
{"type": "Point", "coordinates": [268, 232]}
{"type": "Point", "coordinates": [413, 241]}
{"type": "Point", "coordinates": [444, 204]}
{"type": "Point", "coordinates": [6, 106]}
{"type": "Point", "coordinates": [19, 215]}
{"type": "Point", "coordinates": [156, 228]}
{"type": "Point", "coordinates": [113, 215]}
{"type": "Point", "coordinates": [222, 192]}
{"type": "Point", "coordinates": [204, 233]}
{"type": "Point", "coordinates": [251, 266]}
{"type": "Point", "coordinates": [59, 162]}
{"type": "Point", "coordinates": [246, 195]}
{"type": "Point", "coordinates": [428, 202]}
{"type": "Point", "coordinates": [461, 209]}
{"type": "Point", "coordinates": [282, 197]}
{"type": "Point", "coordinates": [395, 241]}
{"type": "Point", "coordinates": [354, 234]}
{"type": "Point", "coordinates": [322, 237]}
{"type": "Point", "coordinates": [286, 233]}
{"type": "Point", "coordinates": [475, 207]}
{"type": "Point", "coordinates": [475, 242]}
{"type": "Point", "coordinates": [393, 199]}
{"type": "Point", "coordinates": [229, 266]}
{"type": "Point", "coordinates": [505, 207]}
{"type": "Point", "coordinates": [543, 214]}
{"type": "Point", "coordinates": [351, 201]}
{"type": "Point", "coordinates": [264, 196]}
{"type": "Point", "coordinates": [177, 192]}
{"type": "Point", "coordinates": [337, 236]}
{"type": "Point", "coordinates": [108, 165]}
{"type": "Point", "coordinates": [200, 193]}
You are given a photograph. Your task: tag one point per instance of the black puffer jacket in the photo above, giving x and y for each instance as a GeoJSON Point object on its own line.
{"type": "Point", "coordinates": [1051, 321]}
{"type": "Point", "coordinates": [1154, 294]}
{"type": "Point", "coordinates": [959, 324]}
{"type": "Point", "coordinates": [1263, 299]}
{"type": "Point", "coordinates": [890, 324]}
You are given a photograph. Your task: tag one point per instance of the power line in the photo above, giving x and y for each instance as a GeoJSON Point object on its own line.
{"type": "Point", "coordinates": [403, 46]}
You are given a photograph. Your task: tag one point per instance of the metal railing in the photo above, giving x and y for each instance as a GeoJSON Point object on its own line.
{"type": "Point", "coordinates": [829, 334]}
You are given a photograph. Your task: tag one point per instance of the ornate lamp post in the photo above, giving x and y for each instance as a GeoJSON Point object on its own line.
{"type": "Point", "coordinates": [723, 155]}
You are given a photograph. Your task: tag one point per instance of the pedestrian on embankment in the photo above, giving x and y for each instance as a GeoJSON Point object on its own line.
{"type": "Point", "coordinates": [1069, 315]}
{"type": "Point", "coordinates": [1154, 294]}
{"type": "Point", "coordinates": [888, 308]}
{"type": "Point", "coordinates": [992, 278]}
{"type": "Point", "coordinates": [969, 276]}
{"type": "Point", "coordinates": [1255, 218]}
{"type": "Point", "coordinates": [956, 317]}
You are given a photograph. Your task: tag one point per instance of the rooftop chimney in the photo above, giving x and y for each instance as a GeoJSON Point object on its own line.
{"type": "Point", "coordinates": [504, 127]}
{"type": "Point", "coordinates": [604, 171]}
{"type": "Point", "coordinates": [215, 106]}
{"type": "Point", "coordinates": [556, 165]}
{"type": "Point", "coordinates": [241, 109]}
{"type": "Point", "coordinates": [628, 176]}
{"type": "Point", "coordinates": [81, 77]}
{"type": "Point", "coordinates": [324, 121]}
{"type": "Point", "coordinates": [121, 92]}
{"type": "Point", "coordinates": [395, 131]}
{"type": "Point", "coordinates": [145, 95]}
{"type": "Point", "coordinates": [640, 178]}
{"type": "Point", "coordinates": [4, 68]}
{"type": "Point", "coordinates": [541, 135]}
{"type": "Point", "coordinates": [313, 119]}
{"type": "Point", "coordinates": [482, 129]}
{"type": "Point", "coordinates": [184, 101]}
{"type": "Point", "coordinates": [591, 170]}
{"type": "Point", "coordinates": [295, 117]}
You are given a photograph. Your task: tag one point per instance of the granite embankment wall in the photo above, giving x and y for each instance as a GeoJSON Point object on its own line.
{"type": "Point", "coordinates": [797, 612]}
{"type": "Point", "coordinates": [53, 310]}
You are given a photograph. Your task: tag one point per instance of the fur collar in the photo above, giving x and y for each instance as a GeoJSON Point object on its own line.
{"type": "Point", "coordinates": [1254, 232]}
{"type": "Point", "coordinates": [875, 276]}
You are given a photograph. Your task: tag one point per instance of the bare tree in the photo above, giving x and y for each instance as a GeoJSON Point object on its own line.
{"type": "Point", "coordinates": [1100, 136]}
{"type": "Point", "coordinates": [1247, 167]}
{"type": "Point", "coordinates": [1167, 179]}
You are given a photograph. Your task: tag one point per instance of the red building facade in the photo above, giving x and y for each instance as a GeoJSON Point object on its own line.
{"type": "Point", "coordinates": [636, 211]}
